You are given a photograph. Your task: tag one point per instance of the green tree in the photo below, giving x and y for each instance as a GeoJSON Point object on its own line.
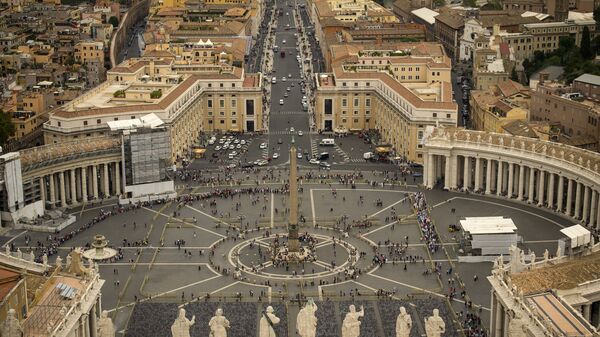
{"type": "Point", "coordinates": [513, 75]}
{"type": "Point", "coordinates": [439, 3]}
{"type": "Point", "coordinates": [113, 20]}
{"type": "Point", "coordinates": [597, 16]}
{"type": "Point", "coordinates": [586, 48]}
{"type": "Point", "coordinates": [7, 128]}
{"type": "Point", "coordinates": [469, 3]}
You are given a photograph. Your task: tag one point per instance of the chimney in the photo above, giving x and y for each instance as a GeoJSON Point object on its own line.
{"type": "Point", "coordinates": [543, 77]}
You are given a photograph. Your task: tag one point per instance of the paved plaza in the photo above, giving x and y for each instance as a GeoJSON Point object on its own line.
{"type": "Point", "coordinates": [211, 245]}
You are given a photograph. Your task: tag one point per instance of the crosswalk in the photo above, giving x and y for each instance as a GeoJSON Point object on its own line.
{"type": "Point", "coordinates": [314, 148]}
{"type": "Point", "coordinates": [341, 153]}
{"type": "Point", "coordinates": [289, 113]}
{"type": "Point", "coordinates": [283, 132]}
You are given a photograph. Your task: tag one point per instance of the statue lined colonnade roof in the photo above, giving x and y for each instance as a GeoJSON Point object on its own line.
{"type": "Point", "coordinates": [584, 158]}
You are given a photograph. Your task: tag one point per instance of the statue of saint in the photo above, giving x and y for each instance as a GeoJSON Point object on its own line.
{"type": "Point", "coordinates": [267, 322]}
{"type": "Point", "coordinates": [306, 322]}
{"type": "Point", "coordinates": [11, 326]}
{"type": "Point", "coordinates": [218, 324]}
{"type": "Point", "coordinates": [434, 325]}
{"type": "Point", "coordinates": [45, 259]}
{"type": "Point", "coordinates": [403, 323]}
{"type": "Point", "coordinates": [351, 324]}
{"type": "Point", "coordinates": [7, 250]}
{"type": "Point", "coordinates": [516, 326]}
{"type": "Point", "coordinates": [106, 328]}
{"type": "Point", "coordinates": [181, 326]}
{"type": "Point", "coordinates": [58, 262]}
{"type": "Point", "coordinates": [19, 253]}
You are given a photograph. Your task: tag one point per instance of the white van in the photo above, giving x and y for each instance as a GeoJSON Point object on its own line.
{"type": "Point", "coordinates": [327, 142]}
{"type": "Point", "coordinates": [274, 80]}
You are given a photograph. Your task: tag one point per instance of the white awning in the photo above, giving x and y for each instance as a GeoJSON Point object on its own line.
{"type": "Point", "coordinates": [148, 121]}
{"type": "Point", "coordinates": [488, 225]}
{"type": "Point", "coordinates": [578, 234]}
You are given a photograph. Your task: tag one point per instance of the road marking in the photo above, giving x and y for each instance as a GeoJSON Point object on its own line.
{"type": "Point", "coordinates": [13, 238]}
{"type": "Point", "coordinates": [155, 264]}
{"type": "Point", "coordinates": [272, 210]}
{"type": "Point", "coordinates": [385, 209]}
{"type": "Point", "coordinates": [312, 207]}
{"type": "Point", "coordinates": [188, 223]}
{"type": "Point", "coordinates": [225, 287]}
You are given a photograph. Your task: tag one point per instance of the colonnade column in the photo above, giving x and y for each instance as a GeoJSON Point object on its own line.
{"type": "Point", "coordinates": [106, 186]}
{"type": "Point", "coordinates": [598, 213]}
{"type": "Point", "coordinates": [531, 184]}
{"type": "Point", "coordinates": [467, 174]}
{"type": "Point", "coordinates": [499, 176]}
{"type": "Point", "coordinates": [560, 196]}
{"type": "Point", "coordinates": [521, 182]}
{"type": "Point", "coordinates": [61, 181]}
{"type": "Point", "coordinates": [447, 175]}
{"type": "Point", "coordinates": [73, 188]}
{"type": "Point", "coordinates": [42, 182]}
{"type": "Point", "coordinates": [569, 197]}
{"type": "Point", "coordinates": [117, 180]}
{"type": "Point", "coordinates": [551, 190]}
{"type": "Point", "coordinates": [95, 181]}
{"type": "Point", "coordinates": [488, 177]}
{"type": "Point", "coordinates": [511, 179]}
{"type": "Point", "coordinates": [454, 171]}
{"type": "Point", "coordinates": [52, 190]}
{"type": "Point", "coordinates": [593, 213]}
{"type": "Point", "coordinates": [477, 174]}
{"type": "Point", "coordinates": [578, 201]}
{"type": "Point", "coordinates": [586, 204]}
{"type": "Point", "coordinates": [541, 187]}
{"type": "Point", "coordinates": [84, 190]}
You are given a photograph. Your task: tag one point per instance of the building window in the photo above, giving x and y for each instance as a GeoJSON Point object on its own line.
{"type": "Point", "coordinates": [344, 102]}
{"type": "Point", "coordinates": [368, 102]}
{"type": "Point", "coordinates": [209, 102]}
{"type": "Point", "coordinates": [222, 113]}
{"type": "Point", "coordinates": [221, 103]}
{"type": "Point", "coordinates": [233, 103]}
{"type": "Point", "coordinates": [435, 114]}
{"type": "Point", "coordinates": [222, 121]}
{"type": "Point", "coordinates": [355, 112]}
{"type": "Point", "coordinates": [98, 121]}
{"type": "Point", "coordinates": [221, 85]}
{"type": "Point", "coordinates": [355, 120]}
{"type": "Point", "coordinates": [328, 106]}
{"type": "Point", "coordinates": [250, 107]}
{"type": "Point", "coordinates": [356, 102]}
{"type": "Point", "coordinates": [447, 115]}
{"type": "Point", "coordinates": [85, 123]}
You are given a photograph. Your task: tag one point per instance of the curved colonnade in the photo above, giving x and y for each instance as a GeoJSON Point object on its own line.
{"type": "Point", "coordinates": [563, 178]}
{"type": "Point", "coordinates": [68, 174]}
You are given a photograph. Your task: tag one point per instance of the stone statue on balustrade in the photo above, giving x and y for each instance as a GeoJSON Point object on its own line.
{"type": "Point", "coordinates": [31, 256]}
{"type": "Point", "coordinates": [11, 326]}
{"type": "Point", "coordinates": [267, 323]}
{"type": "Point", "coordinates": [19, 253]}
{"type": "Point", "coordinates": [434, 325]}
{"type": "Point", "coordinates": [181, 326]}
{"type": "Point", "coordinates": [306, 322]}
{"type": "Point", "coordinates": [351, 324]}
{"type": "Point", "coordinates": [75, 264]}
{"type": "Point", "coordinates": [218, 324]}
{"type": "Point", "coordinates": [45, 259]}
{"type": "Point", "coordinates": [7, 250]}
{"type": "Point", "coordinates": [403, 323]}
{"type": "Point", "coordinates": [516, 326]}
{"type": "Point", "coordinates": [106, 328]}
{"type": "Point", "coordinates": [58, 262]}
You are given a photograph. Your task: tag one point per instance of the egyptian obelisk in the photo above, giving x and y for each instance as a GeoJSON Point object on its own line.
{"type": "Point", "coordinates": [293, 244]}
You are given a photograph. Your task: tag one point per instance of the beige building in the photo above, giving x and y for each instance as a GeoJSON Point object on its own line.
{"type": "Point", "coordinates": [89, 51]}
{"type": "Point", "coordinates": [397, 89]}
{"type": "Point", "coordinates": [492, 109]}
{"type": "Point", "coordinates": [189, 99]}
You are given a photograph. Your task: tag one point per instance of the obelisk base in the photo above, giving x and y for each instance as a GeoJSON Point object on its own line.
{"type": "Point", "coordinates": [293, 245]}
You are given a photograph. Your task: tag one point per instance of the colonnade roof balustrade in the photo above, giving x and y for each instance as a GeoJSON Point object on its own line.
{"type": "Point", "coordinates": [47, 155]}
{"type": "Point", "coordinates": [578, 161]}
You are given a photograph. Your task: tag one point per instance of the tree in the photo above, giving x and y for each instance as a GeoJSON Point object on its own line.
{"type": "Point", "coordinates": [114, 21]}
{"type": "Point", "coordinates": [586, 48]}
{"type": "Point", "coordinates": [7, 128]}
{"type": "Point", "coordinates": [597, 16]}
{"type": "Point", "coordinates": [513, 75]}
{"type": "Point", "coordinates": [439, 3]}
{"type": "Point", "coordinates": [469, 3]}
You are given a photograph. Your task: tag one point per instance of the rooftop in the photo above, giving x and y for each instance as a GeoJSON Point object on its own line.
{"type": "Point", "coordinates": [426, 14]}
{"type": "Point", "coordinates": [589, 79]}
{"type": "Point", "coordinates": [566, 275]}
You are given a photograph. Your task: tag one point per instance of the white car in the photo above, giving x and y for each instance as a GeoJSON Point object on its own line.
{"type": "Point", "coordinates": [299, 155]}
{"type": "Point", "coordinates": [283, 79]}
{"type": "Point", "coordinates": [231, 147]}
{"type": "Point", "coordinates": [314, 161]}
{"type": "Point", "coordinates": [283, 41]}
{"type": "Point", "coordinates": [239, 146]}
{"type": "Point", "coordinates": [231, 155]}
{"type": "Point", "coordinates": [262, 162]}
{"type": "Point", "coordinates": [217, 148]}
{"type": "Point", "coordinates": [263, 145]}
{"type": "Point", "coordinates": [292, 129]}
{"type": "Point", "coordinates": [288, 89]}
{"type": "Point", "coordinates": [300, 133]}
{"type": "Point", "coordinates": [289, 75]}
{"type": "Point", "coordinates": [281, 102]}
{"type": "Point", "coordinates": [236, 141]}
{"type": "Point", "coordinates": [243, 142]}
{"type": "Point", "coordinates": [211, 141]}
{"type": "Point", "coordinates": [275, 155]}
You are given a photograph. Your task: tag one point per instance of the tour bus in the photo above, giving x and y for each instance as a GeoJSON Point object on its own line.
{"type": "Point", "coordinates": [327, 142]}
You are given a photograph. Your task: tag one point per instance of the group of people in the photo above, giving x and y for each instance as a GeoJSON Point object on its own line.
{"type": "Point", "coordinates": [428, 231]}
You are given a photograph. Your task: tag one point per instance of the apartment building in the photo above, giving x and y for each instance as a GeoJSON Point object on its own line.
{"type": "Point", "coordinates": [189, 100]}
{"type": "Point", "coordinates": [577, 115]}
{"type": "Point", "coordinates": [449, 28]}
{"type": "Point", "coordinates": [89, 51]}
{"type": "Point", "coordinates": [494, 108]}
{"type": "Point", "coordinates": [397, 89]}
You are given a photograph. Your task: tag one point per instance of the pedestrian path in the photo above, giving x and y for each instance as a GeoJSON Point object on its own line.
{"type": "Point", "coordinates": [342, 154]}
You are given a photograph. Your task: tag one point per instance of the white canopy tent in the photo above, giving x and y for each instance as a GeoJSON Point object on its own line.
{"type": "Point", "coordinates": [492, 235]}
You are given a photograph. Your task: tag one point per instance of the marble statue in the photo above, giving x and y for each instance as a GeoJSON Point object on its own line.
{"type": "Point", "coordinates": [75, 264]}
{"type": "Point", "coordinates": [31, 256]}
{"type": "Point", "coordinates": [267, 322]}
{"type": "Point", "coordinates": [546, 256]}
{"type": "Point", "coordinates": [559, 251]}
{"type": "Point", "coordinates": [218, 324]}
{"type": "Point", "coordinates": [181, 326]}
{"type": "Point", "coordinates": [11, 326]}
{"type": "Point", "coordinates": [68, 263]}
{"type": "Point", "coordinates": [45, 259]}
{"type": "Point", "coordinates": [306, 322]}
{"type": "Point", "coordinates": [19, 253]}
{"type": "Point", "coordinates": [351, 324]}
{"type": "Point", "coordinates": [58, 262]}
{"type": "Point", "coordinates": [403, 323]}
{"type": "Point", "coordinates": [516, 327]}
{"type": "Point", "coordinates": [532, 257]}
{"type": "Point", "coordinates": [7, 250]}
{"type": "Point", "coordinates": [106, 328]}
{"type": "Point", "coordinates": [434, 325]}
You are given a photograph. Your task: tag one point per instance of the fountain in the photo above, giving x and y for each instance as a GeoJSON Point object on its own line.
{"type": "Point", "coordinates": [99, 250]}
